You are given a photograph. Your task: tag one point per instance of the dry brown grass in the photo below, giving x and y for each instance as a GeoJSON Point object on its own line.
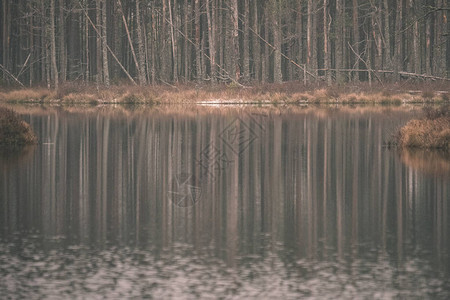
{"type": "Point", "coordinates": [14, 132]}
{"type": "Point", "coordinates": [288, 92]}
{"type": "Point", "coordinates": [433, 131]}
{"type": "Point", "coordinates": [27, 95]}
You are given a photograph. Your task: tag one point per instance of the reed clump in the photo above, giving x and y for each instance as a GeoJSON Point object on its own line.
{"type": "Point", "coordinates": [14, 132]}
{"type": "Point", "coordinates": [432, 131]}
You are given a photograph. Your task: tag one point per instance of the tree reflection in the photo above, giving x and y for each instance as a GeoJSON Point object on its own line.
{"type": "Point", "coordinates": [318, 185]}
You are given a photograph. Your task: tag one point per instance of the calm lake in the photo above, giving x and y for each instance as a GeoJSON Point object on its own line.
{"type": "Point", "coordinates": [231, 202]}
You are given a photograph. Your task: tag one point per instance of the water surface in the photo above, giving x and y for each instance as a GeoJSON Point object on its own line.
{"type": "Point", "coordinates": [231, 203]}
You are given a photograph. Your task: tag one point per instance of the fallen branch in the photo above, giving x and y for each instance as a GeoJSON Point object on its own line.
{"type": "Point", "coordinates": [109, 49]}
{"type": "Point", "coordinates": [11, 75]}
{"type": "Point", "coordinates": [129, 36]}
{"type": "Point", "coordinates": [369, 69]}
{"type": "Point", "coordinates": [24, 64]}
{"type": "Point", "coordinates": [389, 71]}
{"type": "Point", "coordinates": [279, 50]}
{"type": "Point", "coordinates": [423, 76]}
{"type": "Point", "coordinates": [204, 54]}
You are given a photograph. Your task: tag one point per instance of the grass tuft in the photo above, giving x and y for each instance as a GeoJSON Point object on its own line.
{"type": "Point", "coordinates": [433, 131]}
{"type": "Point", "coordinates": [14, 132]}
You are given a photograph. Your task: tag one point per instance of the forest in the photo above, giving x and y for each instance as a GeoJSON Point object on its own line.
{"type": "Point", "coordinates": [49, 42]}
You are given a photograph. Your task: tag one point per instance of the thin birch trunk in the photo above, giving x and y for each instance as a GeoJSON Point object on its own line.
{"type": "Point", "coordinates": [235, 39]}
{"type": "Point", "coordinates": [99, 44]}
{"type": "Point", "coordinates": [355, 18]}
{"type": "Point", "coordinates": [245, 42]}
{"type": "Point", "coordinates": [198, 52]}
{"type": "Point", "coordinates": [339, 57]}
{"type": "Point", "coordinates": [104, 45]}
{"type": "Point", "coordinates": [174, 42]}
{"type": "Point", "coordinates": [141, 51]}
{"type": "Point", "coordinates": [398, 57]}
{"type": "Point", "coordinates": [256, 55]}
{"type": "Point", "coordinates": [212, 39]}
{"type": "Point", "coordinates": [387, 38]}
{"type": "Point", "coordinates": [62, 48]}
{"type": "Point", "coordinates": [326, 42]}
{"type": "Point", "coordinates": [54, 68]}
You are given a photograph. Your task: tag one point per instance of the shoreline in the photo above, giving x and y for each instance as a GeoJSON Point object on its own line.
{"type": "Point", "coordinates": [221, 94]}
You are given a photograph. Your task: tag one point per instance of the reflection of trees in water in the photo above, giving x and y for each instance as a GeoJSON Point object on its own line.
{"type": "Point", "coordinates": [12, 157]}
{"type": "Point", "coordinates": [318, 186]}
{"type": "Point", "coordinates": [434, 162]}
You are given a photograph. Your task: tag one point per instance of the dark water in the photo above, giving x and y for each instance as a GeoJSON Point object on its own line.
{"type": "Point", "coordinates": [238, 203]}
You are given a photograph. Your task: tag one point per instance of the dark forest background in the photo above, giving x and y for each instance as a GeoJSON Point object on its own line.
{"type": "Point", "coordinates": [161, 41]}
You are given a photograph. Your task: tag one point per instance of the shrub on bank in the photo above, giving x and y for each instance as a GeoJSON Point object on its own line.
{"type": "Point", "coordinates": [433, 131]}
{"type": "Point", "coordinates": [14, 132]}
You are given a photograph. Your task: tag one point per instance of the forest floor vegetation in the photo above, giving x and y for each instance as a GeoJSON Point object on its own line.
{"type": "Point", "coordinates": [284, 93]}
{"type": "Point", "coordinates": [14, 132]}
{"type": "Point", "coordinates": [430, 132]}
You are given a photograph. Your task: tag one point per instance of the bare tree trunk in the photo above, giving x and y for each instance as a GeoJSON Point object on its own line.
{"type": "Point", "coordinates": [117, 45]}
{"type": "Point", "coordinates": [99, 43]}
{"type": "Point", "coordinates": [235, 39]}
{"type": "Point", "coordinates": [440, 43]}
{"type": "Point", "coordinates": [174, 42]}
{"type": "Point", "coordinates": [54, 68]}
{"type": "Point", "coordinates": [428, 46]}
{"type": "Point", "coordinates": [203, 56]}
{"type": "Point", "coordinates": [387, 38]}
{"type": "Point", "coordinates": [256, 53]}
{"type": "Point", "coordinates": [314, 57]}
{"type": "Point", "coordinates": [356, 38]}
{"type": "Point", "coordinates": [416, 42]}
{"type": "Point", "coordinates": [86, 37]}
{"type": "Point", "coordinates": [141, 52]}
{"type": "Point", "coordinates": [376, 34]}
{"type": "Point", "coordinates": [266, 58]}
{"type": "Point", "coordinates": [164, 52]}
{"type": "Point", "coordinates": [311, 55]}
{"type": "Point", "coordinates": [245, 45]}
{"type": "Point", "coordinates": [129, 37]}
{"type": "Point", "coordinates": [398, 40]}
{"type": "Point", "coordinates": [222, 37]}
{"type": "Point", "coordinates": [299, 35]}
{"type": "Point", "coordinates": [104, 45]}
{"type": "Point", "coordinates": [409, 49]}
{"type": "Point", "coordinates": [32, 41]}
{"type": "Point", "coordinates": [277, 73]}
{"type": "Point", "coordinates": [198, 51]}
{"type": "Point", "coordinates": [145, 28]}
{"type": "Point", "coordinates": [212, 39]}
{"type": "Point", "coordinates": [153, 42]}
{"type": "Point", "coordinates": [290, 47]}
{"type": "Point", "coordinates": [187, 45]}
{"type": "Point", "coordinates": [62, 48]}
{"type": "Point", "coordinates": [339, 57]}
{"type": "Point", "coordinates": [326, 42]}
{"type": "Point", "coordinates": [6, 35]}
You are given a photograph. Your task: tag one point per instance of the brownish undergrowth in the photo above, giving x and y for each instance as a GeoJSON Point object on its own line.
{"type": "Point", "coordinates": [433, 131]}
{"type": "Point", "coordinates": [288, 92]}
{"type": "Point", "coordinates": [14, 132]}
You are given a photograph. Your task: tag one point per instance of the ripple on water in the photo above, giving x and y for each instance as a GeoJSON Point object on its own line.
{"type": "Point", "coordinates": [181, 272]}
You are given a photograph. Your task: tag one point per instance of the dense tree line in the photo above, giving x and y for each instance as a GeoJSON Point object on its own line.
{"type": "Point", "coordinates": [163, 41]}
